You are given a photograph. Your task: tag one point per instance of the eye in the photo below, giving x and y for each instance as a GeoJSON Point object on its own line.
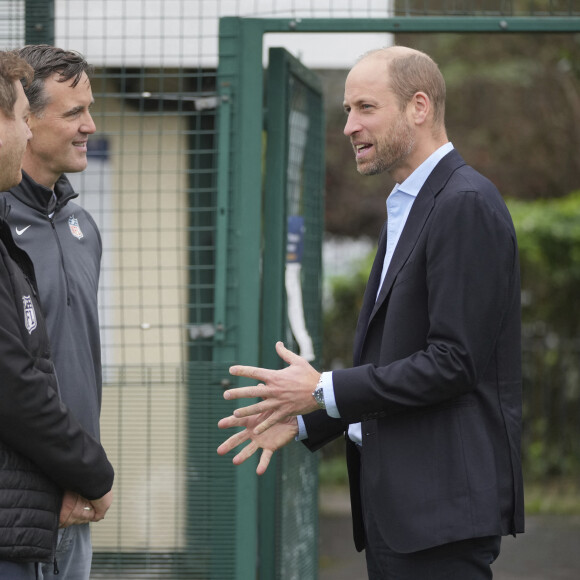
{"type": "Point", "coordinates": [73, 113]}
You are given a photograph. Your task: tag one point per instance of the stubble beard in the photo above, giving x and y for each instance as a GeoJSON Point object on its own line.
{"type": "Point", "coordinates": [390, 153]}
{"type": "Point", "coordinates": [11, 172]}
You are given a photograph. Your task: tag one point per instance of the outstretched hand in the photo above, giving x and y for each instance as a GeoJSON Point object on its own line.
{"type": "Point", "coordinates": [275, 438]}
{"type": "Point", "coordinates": [285, 393]}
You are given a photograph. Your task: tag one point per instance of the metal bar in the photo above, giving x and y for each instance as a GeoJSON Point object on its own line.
{"type": "Point", "coordinates": [240, 71]}
{"type": "Point", "coordinates": [222, 221]}
{"type": "Point", "coordinates": [420, 24]}
{"type": "Point", "coordinates": [273, 303]}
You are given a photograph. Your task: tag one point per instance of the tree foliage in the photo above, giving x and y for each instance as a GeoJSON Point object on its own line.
{"type": "Point", "coordinates": [548, 233]}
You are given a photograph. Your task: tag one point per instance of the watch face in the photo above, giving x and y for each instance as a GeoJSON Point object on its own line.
{"type": "Point", "coordinates": [319, 396]}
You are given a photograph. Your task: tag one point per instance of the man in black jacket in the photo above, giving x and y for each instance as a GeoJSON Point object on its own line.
{"type": "Point", "coordinates": [64, 244]}
{"type": "Point", "coordinates": [43, 448]}
{"type": "Point", "coordinates": [432, 405]}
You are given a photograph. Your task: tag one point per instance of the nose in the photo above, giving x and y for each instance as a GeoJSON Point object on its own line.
{"type": "Point", "coordinates": [88, 126]}
{"type": "Point", "coordinates": [28, 133]}
{"type": "Point", "coordinates": [352, 125]}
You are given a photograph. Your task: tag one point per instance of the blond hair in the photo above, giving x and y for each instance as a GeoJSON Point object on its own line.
{"type": "Point", "coordinates": [12, 68]}
{"type": "Point", "coordinates": [411, 71]}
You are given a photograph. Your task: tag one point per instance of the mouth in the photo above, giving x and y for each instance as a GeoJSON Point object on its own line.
{"type": "Point", "coordinates": [361, 149]}
{"type": "Point", "coordinates": [80, 145]}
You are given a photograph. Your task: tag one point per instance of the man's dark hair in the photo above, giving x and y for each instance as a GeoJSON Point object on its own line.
{"type": "Point", "coordinates": [47, 60]}
{"type": "Point", "coordinates": [12, 68]}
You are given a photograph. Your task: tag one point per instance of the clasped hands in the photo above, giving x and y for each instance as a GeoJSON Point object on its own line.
{"type": "Point", "coordinates": [271, 423]}
{"type": "Point", "coordinates": [78, 510]}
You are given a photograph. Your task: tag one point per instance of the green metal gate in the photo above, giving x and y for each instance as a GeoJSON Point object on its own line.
{"type": "Point", "coordinates": [247, 219]}
{"type": "Point", "coordinates": [274, 245]}
{"type": "Point", "coordinates": [291, 304]}
{"type": "Point", "coordinates": [240, 80]}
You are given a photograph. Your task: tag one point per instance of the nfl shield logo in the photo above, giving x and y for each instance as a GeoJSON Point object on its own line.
{"type": "Point", "coordinates": [75, 230]}
{"type": "Point", "coordinates": [29, 314]}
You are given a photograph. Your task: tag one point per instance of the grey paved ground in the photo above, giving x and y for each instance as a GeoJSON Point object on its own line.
{"type": "Point", "coordinates": [549, 550]}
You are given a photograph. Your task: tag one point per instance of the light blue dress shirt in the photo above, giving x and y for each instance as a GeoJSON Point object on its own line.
{"type": "Point", "coordinates": [399, 204]}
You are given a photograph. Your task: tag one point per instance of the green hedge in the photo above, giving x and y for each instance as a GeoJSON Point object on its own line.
{"type": "Point", "coordinates": [549, 241]}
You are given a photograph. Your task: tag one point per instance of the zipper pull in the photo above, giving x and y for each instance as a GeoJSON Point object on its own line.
{"type": "Point", "coordinates": [31, 285]}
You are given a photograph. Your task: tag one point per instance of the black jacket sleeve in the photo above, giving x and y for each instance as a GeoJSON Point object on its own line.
{"type": "Point", "coordinates": [33, 420]}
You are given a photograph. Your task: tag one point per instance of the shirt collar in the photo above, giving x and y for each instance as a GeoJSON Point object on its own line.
{"type": "Point", "coordinates": [413, 184]}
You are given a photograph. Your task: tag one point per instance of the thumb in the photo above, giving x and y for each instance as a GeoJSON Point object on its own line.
{"type": "Point", "coordinates": [287, 355]}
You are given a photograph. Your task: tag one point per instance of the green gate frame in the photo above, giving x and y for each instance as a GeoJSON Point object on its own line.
{"type": "Point", "coordinates": [241, 85]}
{"type": "Point", "coordinates": [285, 73]}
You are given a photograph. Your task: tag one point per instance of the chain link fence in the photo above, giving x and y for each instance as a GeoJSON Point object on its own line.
{"type": "Point", "coordinates": [152, 187]}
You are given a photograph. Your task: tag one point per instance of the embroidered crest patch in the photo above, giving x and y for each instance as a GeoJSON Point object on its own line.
{"type": "Point", "coordinates": [75, 230]}
{"type": "Point", "coordinates": [29, 314]}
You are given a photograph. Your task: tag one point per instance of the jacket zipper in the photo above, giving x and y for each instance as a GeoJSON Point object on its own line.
{"type": "Point", "coordinates": [61, 260]}
{"type": "Point", "coordinates": [29, 282]}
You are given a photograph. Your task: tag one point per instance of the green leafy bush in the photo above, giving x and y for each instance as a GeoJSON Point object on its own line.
{"type": "Point", "coordinates": [548, 233]}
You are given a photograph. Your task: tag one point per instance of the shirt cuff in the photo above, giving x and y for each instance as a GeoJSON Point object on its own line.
{"type": "Point", "coordinates": [328, 390]}
{"type": "Point", "coordinates": [302, 434]}
{"type": "Point", "coordinates": [329, 401]}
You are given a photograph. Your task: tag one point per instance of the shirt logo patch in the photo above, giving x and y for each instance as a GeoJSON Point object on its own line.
{"type": "Point", "coordinates": [19, 232]}
{"type": "Point", "coordinates": [29, 314]}
{"type": "Point", "coordinates": [75, 230]}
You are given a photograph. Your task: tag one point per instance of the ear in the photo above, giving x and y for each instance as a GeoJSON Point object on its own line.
{"type": "Point", "coordinates": [419, 108]}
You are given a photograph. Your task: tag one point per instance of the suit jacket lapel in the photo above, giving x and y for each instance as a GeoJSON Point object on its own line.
{"type": "Point", "coordinates": [370, 294]}
{"type": "Point", "coordinates": [420, 211]}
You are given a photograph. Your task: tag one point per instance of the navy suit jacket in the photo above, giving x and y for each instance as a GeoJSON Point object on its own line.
{"type": "Point", "coordinates": [436, 380]}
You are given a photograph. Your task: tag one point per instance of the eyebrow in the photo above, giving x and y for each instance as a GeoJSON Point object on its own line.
{"type": "Point", "coordinates": [357, 102]}
{"type": "Point", "coordinates": [76, 110]}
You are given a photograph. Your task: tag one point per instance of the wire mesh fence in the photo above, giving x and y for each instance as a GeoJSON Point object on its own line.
{"type": "Point", "coordinates": [152, 187]}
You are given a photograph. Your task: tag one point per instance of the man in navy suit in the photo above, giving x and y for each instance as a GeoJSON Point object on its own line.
{"type": "Point", "coordinates": [432, 405]}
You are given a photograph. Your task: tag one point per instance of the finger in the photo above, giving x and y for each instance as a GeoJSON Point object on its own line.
{"type": "Point", "coordinates": [245, 453]}
{"type": "Point", "coordinates": [87, 513]}
{"type": "Point", "coordinates": [229, 422]}
{"type": "Point", "coordinates": [250, 372]}
{"type": "Point", "coordinates": [98, 514]}
{"type": "Point", "coordinates": [236, 440]}
{"type": "Point", "coordinates": [233, 442]}
{"type": "Point", "coordinates": [274, 418]}
{"type": "Point", "coordinates": [256, 409]}
{"type": "Point", "coordinates": [287, 355]}
{"type": "Point", "coordinates": [246, 392]}
{"type": "Point", "coordinates": [264, 461]}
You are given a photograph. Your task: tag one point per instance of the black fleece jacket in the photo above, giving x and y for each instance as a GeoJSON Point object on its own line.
{"type": "Point", "coordinates": [43, 448]}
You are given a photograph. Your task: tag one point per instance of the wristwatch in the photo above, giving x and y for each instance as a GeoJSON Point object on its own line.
{"type": "Point", "coordinates": [318, 394]}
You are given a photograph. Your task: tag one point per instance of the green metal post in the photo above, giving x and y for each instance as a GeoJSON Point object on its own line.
{"type": "Point", "coordinates": [279, 507]}
{"type": "Point", "coordinates": [273, 303]}
{"type": "Point", "coordinates": [243, 323]}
